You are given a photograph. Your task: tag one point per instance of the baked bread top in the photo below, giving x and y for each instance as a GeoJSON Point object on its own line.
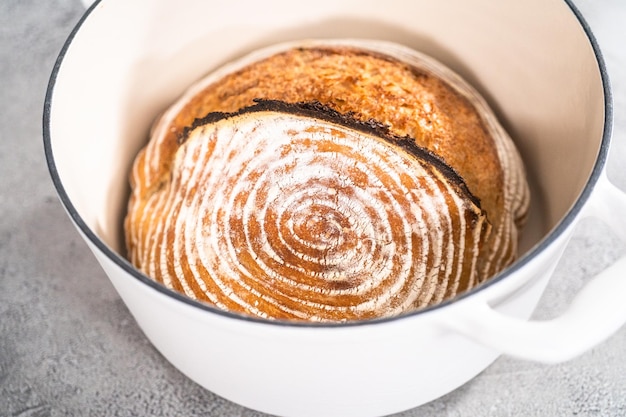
{"type": "Point", "coordinates": [413, 98]}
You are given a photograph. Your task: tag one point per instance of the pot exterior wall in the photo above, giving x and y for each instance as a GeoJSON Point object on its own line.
{"type": "Point", "coordinates": [299, 371]}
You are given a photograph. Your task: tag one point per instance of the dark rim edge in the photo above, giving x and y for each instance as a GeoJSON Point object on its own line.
{"type": "Point", "coordinates": [120, 261]}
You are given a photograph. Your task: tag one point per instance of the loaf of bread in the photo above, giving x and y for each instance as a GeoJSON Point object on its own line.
{"type": "Point", "coordinates": [326, 180]}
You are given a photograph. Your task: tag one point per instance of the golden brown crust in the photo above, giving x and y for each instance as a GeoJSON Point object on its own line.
{"type": "Point", "coordinates": [412, 101]}
{"type": "Point", "coordinates": [370, 86]}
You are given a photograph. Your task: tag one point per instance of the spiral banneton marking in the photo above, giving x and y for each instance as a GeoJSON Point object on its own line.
{"type": "Point", "coordinates": [286, 216]}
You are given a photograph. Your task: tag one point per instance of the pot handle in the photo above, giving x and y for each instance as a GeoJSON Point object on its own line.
{"type": "Point", "coordinates": [596, 312]}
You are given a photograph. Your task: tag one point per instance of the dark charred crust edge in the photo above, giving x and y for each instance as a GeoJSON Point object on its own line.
{"type": "Point", "coordinates": [317, 110]}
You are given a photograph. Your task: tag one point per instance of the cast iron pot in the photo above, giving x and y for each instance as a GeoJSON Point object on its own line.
{"type": "Point", "coordinates": [537, 65]}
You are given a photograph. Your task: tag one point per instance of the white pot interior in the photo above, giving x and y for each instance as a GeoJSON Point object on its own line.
{"type": "Point", "coordinates": [531, 60]}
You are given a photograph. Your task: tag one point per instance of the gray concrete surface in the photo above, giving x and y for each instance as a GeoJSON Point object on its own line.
{"type": "Point", "coordinates": [69, 347]}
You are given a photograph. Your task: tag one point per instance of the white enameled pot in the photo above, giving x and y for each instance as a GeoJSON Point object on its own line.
{"type": "Point", "coordinates": [535, 62]}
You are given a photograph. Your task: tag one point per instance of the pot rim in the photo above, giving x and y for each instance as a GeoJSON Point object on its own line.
{"type": "Point", "coordinates": [125, 265]}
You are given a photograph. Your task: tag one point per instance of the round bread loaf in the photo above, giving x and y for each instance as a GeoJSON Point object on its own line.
{"type": "Point", "coordinates": [327, 181]}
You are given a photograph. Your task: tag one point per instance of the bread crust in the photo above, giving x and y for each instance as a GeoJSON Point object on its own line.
{"type": "Point", "coordinates": [414, 98]}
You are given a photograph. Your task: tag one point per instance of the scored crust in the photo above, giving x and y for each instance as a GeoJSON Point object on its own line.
{"type": "Point", "coordinates": [415, 98]}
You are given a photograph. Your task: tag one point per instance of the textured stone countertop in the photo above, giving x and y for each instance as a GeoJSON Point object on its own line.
{"type": "Point", "coordinates": [69, 346]}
